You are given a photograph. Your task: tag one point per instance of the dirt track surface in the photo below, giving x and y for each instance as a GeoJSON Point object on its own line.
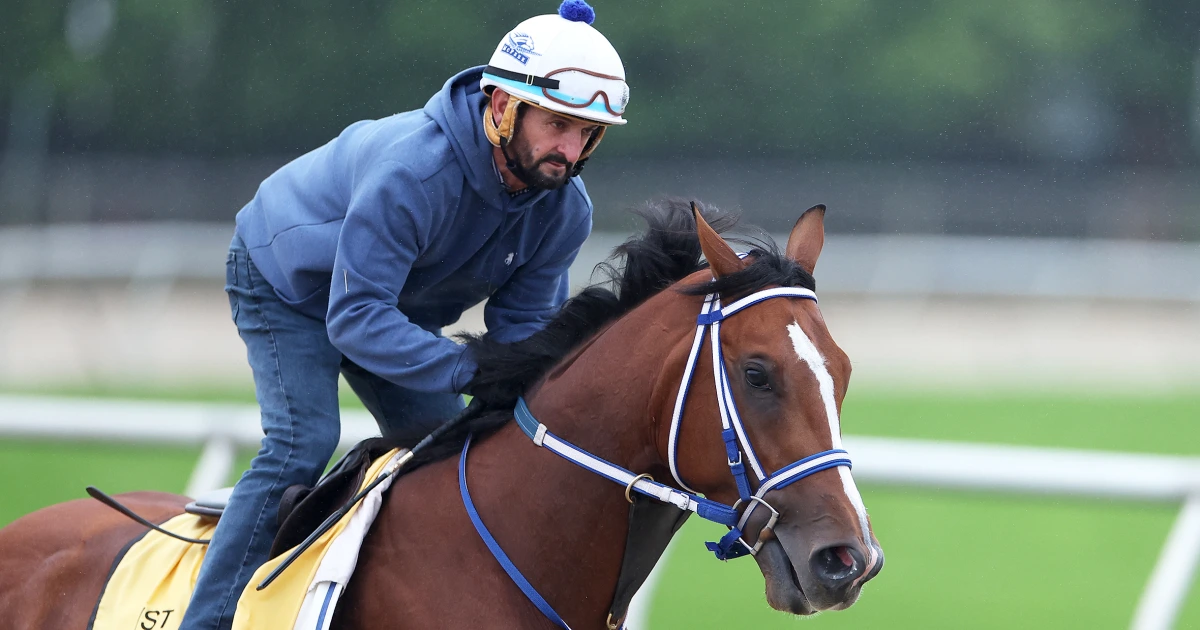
{"type": "Point", "coordinates": [182, 336]}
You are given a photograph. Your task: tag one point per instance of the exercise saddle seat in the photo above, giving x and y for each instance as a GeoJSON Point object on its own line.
{"type": "Point", "coordinates": [302, 509]}
{"type": "Point", "coordinates": [211, 503]}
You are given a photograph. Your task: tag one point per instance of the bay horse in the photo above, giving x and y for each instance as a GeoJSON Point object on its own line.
{"type": "Point", "coordinates": [623, 372]}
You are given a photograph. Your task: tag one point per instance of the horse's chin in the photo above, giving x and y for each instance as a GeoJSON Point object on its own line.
{"type": "Point", "coordinates": [783, 587]}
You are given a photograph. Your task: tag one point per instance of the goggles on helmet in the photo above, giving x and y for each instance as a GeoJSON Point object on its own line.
{"type": "Point", "coordinates": [583, 89]}
{"type": "Point", "coordinates": [575, 88]}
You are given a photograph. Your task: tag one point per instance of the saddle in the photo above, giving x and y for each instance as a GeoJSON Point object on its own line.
{"type": "Point", "coordinates": [154, 575]}
{"type": "Point", "coordinates": [302, 509]}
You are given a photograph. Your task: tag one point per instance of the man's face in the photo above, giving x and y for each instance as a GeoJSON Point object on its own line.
{"type": "Point", "coordinates": [547, 145]}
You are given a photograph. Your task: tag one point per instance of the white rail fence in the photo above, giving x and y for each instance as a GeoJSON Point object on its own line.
{"type": "Point", "coordinates": [221, 429]}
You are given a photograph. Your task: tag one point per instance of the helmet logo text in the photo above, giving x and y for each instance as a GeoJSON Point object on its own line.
{"type": "Point", "coordinates": [520, 47]}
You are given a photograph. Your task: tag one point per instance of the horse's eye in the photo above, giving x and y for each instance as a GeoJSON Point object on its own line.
{"type": "Point", "coordinates": [757, 378]}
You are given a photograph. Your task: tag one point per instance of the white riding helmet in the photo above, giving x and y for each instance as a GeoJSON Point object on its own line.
{"type": "Point", "coordinates": [560, 63]}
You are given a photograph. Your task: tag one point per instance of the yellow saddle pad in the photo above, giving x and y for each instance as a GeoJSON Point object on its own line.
{"type": "Point", "coordinates": [152, 583]}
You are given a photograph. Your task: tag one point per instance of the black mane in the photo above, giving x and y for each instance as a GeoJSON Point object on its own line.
{"type": "Point", "coordinates": [666, 252]}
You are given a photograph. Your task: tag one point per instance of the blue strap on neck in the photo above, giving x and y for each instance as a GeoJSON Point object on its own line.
{"type": "Point", "coordinates": [511, 569]}
{"type": "Point", "coordinates": [525, 419]}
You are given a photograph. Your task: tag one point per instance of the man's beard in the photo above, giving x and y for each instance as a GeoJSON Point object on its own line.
{"type": "Point", "coordinates": [527, 169]}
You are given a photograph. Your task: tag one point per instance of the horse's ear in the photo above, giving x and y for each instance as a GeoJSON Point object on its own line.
{"type": "Point", "coordinates": [807, 238]}
{"type": "Point", "coordinates": [721, 258]}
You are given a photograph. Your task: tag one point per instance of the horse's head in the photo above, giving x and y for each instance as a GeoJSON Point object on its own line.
{"type": "Point", "coordinates": [786, 381]}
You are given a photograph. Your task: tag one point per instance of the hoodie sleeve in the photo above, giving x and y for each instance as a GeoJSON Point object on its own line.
{"type": "Point", "coordinates": [386, 227]}
{"type": "Point", "coordinates": [535, 292]}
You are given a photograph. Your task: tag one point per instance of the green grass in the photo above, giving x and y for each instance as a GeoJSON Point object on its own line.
{"type": "Point", "coordinates": [954, 559]}
{"type": "Point", "coordinates": [34, 474]}
{"type": "Point", "coordinates": [1152, 424]}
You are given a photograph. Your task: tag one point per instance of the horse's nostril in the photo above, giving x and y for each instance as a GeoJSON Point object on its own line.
{"type": "Point", "coordinates": [837, 566]}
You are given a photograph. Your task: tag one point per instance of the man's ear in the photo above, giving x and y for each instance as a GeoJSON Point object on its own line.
{"type": "Point", "coordinates": [497, 105]}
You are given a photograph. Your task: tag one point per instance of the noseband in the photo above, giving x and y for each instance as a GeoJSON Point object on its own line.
{"type": "Point", "coordinates": [737, 448]}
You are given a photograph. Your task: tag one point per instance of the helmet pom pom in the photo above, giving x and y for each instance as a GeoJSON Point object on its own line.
{"type": "Point", "coordinates": [577, 11]}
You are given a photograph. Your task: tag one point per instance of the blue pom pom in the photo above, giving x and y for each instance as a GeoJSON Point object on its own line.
{"type": "Point", "coordinates": [577, 11]}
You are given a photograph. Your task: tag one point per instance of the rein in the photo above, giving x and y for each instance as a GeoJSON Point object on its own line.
{"type": "Point", "coordinates": [737, 446]}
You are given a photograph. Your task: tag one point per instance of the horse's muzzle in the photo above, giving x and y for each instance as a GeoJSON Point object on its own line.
{"type": "Point", "coordinates": [829, 577]}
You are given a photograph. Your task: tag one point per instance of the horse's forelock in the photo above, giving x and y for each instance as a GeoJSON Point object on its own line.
{"type": "Point", "coordinates": [768, 268]}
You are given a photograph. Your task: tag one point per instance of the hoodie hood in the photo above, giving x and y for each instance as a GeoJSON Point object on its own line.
{"type": "Point", "coordinates": [458, 110]}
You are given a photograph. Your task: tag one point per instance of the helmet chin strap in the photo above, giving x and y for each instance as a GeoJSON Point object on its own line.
{"type": "Point", "coordinates": [514, 167]}
{"type": "Point", "coordinates": [591, 145]}
{"type": "Point", "coordinates": [499, 135]}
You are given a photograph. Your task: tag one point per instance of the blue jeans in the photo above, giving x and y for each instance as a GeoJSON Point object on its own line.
{"type": "Point", "coordinates": [296, 382]}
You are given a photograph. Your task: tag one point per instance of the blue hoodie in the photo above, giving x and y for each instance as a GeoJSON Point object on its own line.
{"type": "Point", "coordinates": [406, 219]}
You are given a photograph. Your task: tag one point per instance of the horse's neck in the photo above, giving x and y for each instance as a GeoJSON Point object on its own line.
{"type": "Point", "coordinates": [563, 526]}
{"type": "Point", "coordinates": [569, 535]}
{"type": "Point", "coordinates": [611, 398]}
{"type": "Point", "coordinates": [573, 524]}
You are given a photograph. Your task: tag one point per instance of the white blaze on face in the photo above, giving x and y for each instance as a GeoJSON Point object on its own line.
{"type": "Point", "coordinates": [810, 355]}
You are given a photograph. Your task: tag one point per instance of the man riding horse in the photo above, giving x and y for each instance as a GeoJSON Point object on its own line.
{"type": "Point", "coordinates": [351, 258]}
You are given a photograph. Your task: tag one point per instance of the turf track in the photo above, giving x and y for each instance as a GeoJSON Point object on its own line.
{"type": "Point", "coordinates": [954, 560]}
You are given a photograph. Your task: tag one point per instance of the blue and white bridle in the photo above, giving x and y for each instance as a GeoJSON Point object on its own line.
{"type": "Point", "coordinates": [737, 448]}
{"type": "Point", "coordinates": [733, 432]}
{"type": "Point", "coordinates": [737, 443]}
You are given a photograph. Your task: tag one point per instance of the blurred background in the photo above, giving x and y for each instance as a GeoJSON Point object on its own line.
{"type": "Point", "coordinates": [1013, 252]}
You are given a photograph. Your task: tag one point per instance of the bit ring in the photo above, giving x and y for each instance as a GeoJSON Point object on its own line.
{"type": "Point", "coordinates": [629, 487]}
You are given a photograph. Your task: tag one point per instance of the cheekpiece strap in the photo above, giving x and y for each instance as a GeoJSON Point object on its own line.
{"type": "Point", "coordinates": [734, 456]}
